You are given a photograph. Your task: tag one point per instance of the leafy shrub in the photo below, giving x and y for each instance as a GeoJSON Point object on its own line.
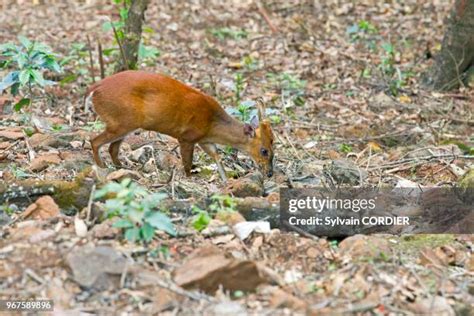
{"type": "Point", "coordinates": [220, 203]}
{"type": "Point", "coordinates": [291, 87]}
{"type": "Point", "coordinates": [136, 209]}
{"type": "Point", "coordinates": [247, 110]}
{"type": "Point", "coordinates": [146, 54]}
{"type": "Point", "coordinates": [225, 32]}
{"type": "Point", "coordinates": [30, 61]}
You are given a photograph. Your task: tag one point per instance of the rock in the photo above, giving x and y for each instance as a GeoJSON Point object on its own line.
{"type": "Point", "coordinates": [227, 308]}
{"type": "Point", "coordinates": [42, 162]}
{"type": "Point", "coordinates": [382, 101]}
{"type": "Point", "coordinates": [142, 154]}
{"type": "Point", "coordinates": [437, 305]}
{"type": "Point", "coordinates": [44, 207]}
{"type": "Point", "coordinates": [345, 171]}
{"type": "Point", "coordinates": [274, 198]}
{"type": "Point", "coordinates": [97, 267]}
{"type": "Point", "coordinates": [449, 149]}
{"type": "Point", "coordinates": [42, 235]}
{"type": "Point", "coordinates": [245, 187]}
{"type": "Point", "coordinates": [470, 264]}
{"type": "Point", "coordinates": [208, 268]}
{"type": "Point", "coordinates": [365, 247]}
{"type": "Point", "coordinates": [229, 217]}
{"type": "Point", "coordinates": [122, 174]}
{"type": "Point", "coordinates": [4, 218]}
{"type": "Point", "coordinates": [105, 230]}
{"type": "Point", "coordinates": [281, 299]}
{"type": "Point", "coordinates": [11, 134]}
{"type": "Point", "coordinates": [244, 229]}
{"type": "Point", "coordinates": [43, 141]}
{"type": "Point", "coordinates": [5, 145]}
{"type": "Point", "coordinates": [467, 180]}
{"type": "Point", "coordinates": [166, 161]}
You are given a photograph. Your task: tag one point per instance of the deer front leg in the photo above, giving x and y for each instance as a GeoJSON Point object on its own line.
{"type": "Point", "coordinates": [187, 150]}
{"type": "Point", "coordinates": [211, 150]}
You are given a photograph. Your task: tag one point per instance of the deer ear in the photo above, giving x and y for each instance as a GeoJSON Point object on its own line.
{"type": "Point", "coordinates": [249, 130]}
{"type": "Point", "coordinates": [254, 121]}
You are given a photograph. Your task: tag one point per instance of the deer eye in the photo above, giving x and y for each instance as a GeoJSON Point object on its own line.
{"type": "Point", "coordinates": [264, 152]}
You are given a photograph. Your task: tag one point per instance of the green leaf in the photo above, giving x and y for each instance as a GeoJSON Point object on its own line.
{"type": "Point", "coordinates": [135, 215]}
{"type": "Point", "coordinates": [147, 232]}
{"type": "Point", "coordinates": [123, 223]}
{"type": "Point", "coordinates": [124, 14]}
{"type": "Point", "coordinates": [132, 234]}
{"type": "Point", "coordinates": [162, 222]}
{"type": "Point", "coordinates": [25, 42]}
{"type": "Point", "coordinates": [24, 77]}
{"type": "Point", "coordinates": [114, 204]}
{"type": "Point", "coordinates": [147, 29]}
{"type": "Point", "coordinates": [9, 80]}
{"type": "Point", "coordinates": [15, 88]}
{"type": "Point", "coordinates": [108, 51]}
{"type": "Point", "coordinates": [107, 26]}
{"type": "Point", "coordinates": [23, 102]}
{"type": "Point", "coordinates": [201, 221]}
{"type": "Point", "coordinates": [388, 48]}
{"type": "Point", "coordinates": [37, 77]}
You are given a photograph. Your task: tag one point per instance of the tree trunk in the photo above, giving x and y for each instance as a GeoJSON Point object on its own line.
{"type": "Point", "coordinates": [133, 33]}
{"type": "Point", "coordinates": [457, 53]}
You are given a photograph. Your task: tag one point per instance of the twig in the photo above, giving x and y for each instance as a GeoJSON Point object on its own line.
{"type": "Point", "coordinates": [417, 159]}
{"type": "Point", "coordinates": [101, 60]}
{"type": "Point", "coordinates": [265, 16]}
{"type": "Point", "coordinates": [34, 276]}
{"type": "Point", "coordinates": [122, 52]}
{"type": "Point", "coordinates": [89, 205]}
{"type": "Point", "coordinates": [174, 288]}
{"type": "Point", "coordinates": [91, 69]}
{"type": "Point", "coordinates": [31, 152]}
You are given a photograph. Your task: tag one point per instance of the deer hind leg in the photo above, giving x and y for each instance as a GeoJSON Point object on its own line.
{"type": "Point", "coordinates": [114, 149]}
{"type": "Point", "coordinates": [108, 136]}
{"type": "Point", "coordinates": [211, 150]}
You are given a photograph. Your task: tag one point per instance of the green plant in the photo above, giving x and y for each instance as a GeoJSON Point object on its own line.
{"type": "Point", "coordinates": [225, 32]}
{"type": "Point", "coordinates": [219, 203]}
{"type": "Point", "coordinates": [291, 87]}
{"type": "Point", "coordinates": [364, 31]}
{"type": "Point", "coordinates": [201, 218]}
{"type": "Point", "coordinates": [238, 87]}
{"type": "Point", "coordinates": [9, 209]}
{"type": "Point", "coordinates": [19, 172]}
{"type": "Point", "coordinates": [75, 63]}
{"type": "Point", "coordinates": [222, 203]}
{"type": "Point", "coordinates": [94, 126]}
{"type": "Point", "coordinates": [136, 209]}
{"type": "Point", "coordinates": [396, 78]}
{"type": "Point", "coordinates": [345, 148]}
{"type": "Point", "coordinates": [146, 54]}
{"type": "Point", "coordinates": [250, 63]}
{"type": "Point", "coordinates": [30, 60]}
{"type": "Point", "coordinates": [246, 111]}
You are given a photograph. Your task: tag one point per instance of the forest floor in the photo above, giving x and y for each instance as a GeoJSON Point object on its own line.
{"type": "Point", "coordinates": [341, 80]}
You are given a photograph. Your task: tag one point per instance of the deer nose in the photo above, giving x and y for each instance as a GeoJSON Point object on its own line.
{"type": "Point", "coordinates": [270, 173]}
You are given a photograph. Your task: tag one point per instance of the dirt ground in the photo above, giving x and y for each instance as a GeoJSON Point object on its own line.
{"type": "Point", "coordinates": [341, 80]}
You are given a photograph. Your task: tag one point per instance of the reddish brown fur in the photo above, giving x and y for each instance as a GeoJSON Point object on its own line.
{"type": "Point", "coordinates": [134, 99]}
